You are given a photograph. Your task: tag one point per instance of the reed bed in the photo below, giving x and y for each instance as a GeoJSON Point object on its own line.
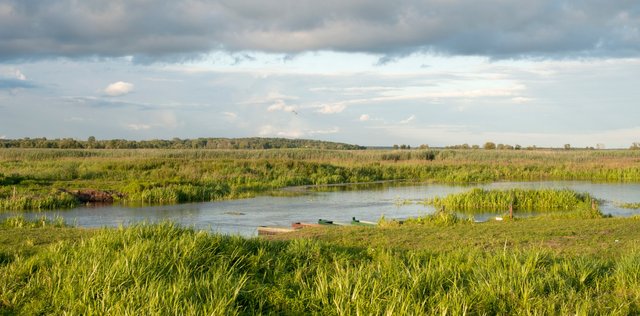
{"type": "Point", "coordinates": [155, 176]}
{"type": "Point", "coordinates": [520, 200]}
{"type": "Point", "coordinates": [629, 205]}
{"type": "Point", "coordinates": [165, 269]}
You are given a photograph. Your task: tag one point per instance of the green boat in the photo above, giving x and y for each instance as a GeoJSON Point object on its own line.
{"type": "Point", "coordinates": [357, 222]}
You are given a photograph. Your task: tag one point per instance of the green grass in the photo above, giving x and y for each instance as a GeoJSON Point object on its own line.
{"type": "Point", "coordinates": [629, 205]}
{"type": "Point", "coordinates": [533, 266]}
{"type": "Point", "coordinates": [30, 178]}
{"type": "Point", "coordinates": [521, 200]}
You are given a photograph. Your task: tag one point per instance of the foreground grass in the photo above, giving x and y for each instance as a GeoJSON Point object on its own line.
{"type": "Point", "coordinates": [30, 178]}
{"type": "Point", "coordinates": [517, 267]}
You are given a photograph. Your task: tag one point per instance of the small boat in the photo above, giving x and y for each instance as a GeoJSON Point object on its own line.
{"type": "Point", "coordinates": [357, 222]}
{"type": "Point", "coordinates": [266, 231]}
{"type": "Point", "coordinates": [300, 225]}
{"type": "Point", "coordinates": [330, 223]}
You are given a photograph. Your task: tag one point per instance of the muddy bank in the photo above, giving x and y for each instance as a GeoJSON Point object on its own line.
{"type": "Point", "coordinates": [94, 196]}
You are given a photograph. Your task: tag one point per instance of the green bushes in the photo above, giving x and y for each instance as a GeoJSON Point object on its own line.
{"type": "Point", "coordinates": [164, 269]}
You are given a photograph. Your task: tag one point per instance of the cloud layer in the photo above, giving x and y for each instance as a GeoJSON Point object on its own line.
{"type": "Point", "coordinates": [151, 30]}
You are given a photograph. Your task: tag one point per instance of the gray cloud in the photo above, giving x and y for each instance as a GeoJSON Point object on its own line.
{"type": "Point", "coordinates": [170, 30]}
{"type": "Point", "coordinates": [8, 84]}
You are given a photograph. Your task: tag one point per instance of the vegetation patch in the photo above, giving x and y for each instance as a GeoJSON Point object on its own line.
{"type": "Point", "coordinates": [520, 200]}
{"type": "Point", "coordinates": [41, 179]}
{"type": "Point", "coordinates": [629, 205]}
{"type": "Point", "coordinates": [191, 272]}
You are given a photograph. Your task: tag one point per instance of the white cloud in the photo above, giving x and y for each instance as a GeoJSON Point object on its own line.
{"type": "Point", "coordinates": [3, 136]}
{"type": "Point", "coordinates": [364, 117]}
{"type": "Point", "coordinates": [271, 97]}
{"type": "Point", "coordinates": [408, 120]}
{"type": "Point", "coordinates": [332, 130]}
{"type": "Point", "coordinates": [118, 88]}
{"type": "Point", "coordinates": [270, 130]}
{"type": "Point", "coordinates": [521, 100]}
{"type": "Point", "coordinates": [280, 105]}
{"type": "Point", "coordinates": [275, 95]}
{"type": "Point", "coordinates": [230, 116]}
{"type": "Point", "coordinates": [294, 132]}
{"type": "Point", "coordinates": [458, 134]}
{"type": "Point", "coordinates": [138, 127]}
{"type": "Point", "coordinates": [19, 75]}
{"type": "Point", "coordinates": [331, 108]}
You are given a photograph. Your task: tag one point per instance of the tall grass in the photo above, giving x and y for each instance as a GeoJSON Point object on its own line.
{"type": "Point", "coordinates": [39, 202]}
{"type": "Point", "coordinates": [629, 205]}
{"type": "Point", "coordinates": [173, 176]}
{"type": "Point", "coordinates": [20, 221]}
{"type": "Point", "coordinates": [527, 200]}
{"type": "Point", "coordinates": [164, 269]}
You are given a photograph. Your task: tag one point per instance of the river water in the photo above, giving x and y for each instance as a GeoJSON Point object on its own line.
{"type": "Point", "coordinates": [339, 203]}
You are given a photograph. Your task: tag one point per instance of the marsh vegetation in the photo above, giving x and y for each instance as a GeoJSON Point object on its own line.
{"type": "Point", "coordinates": [33, 178]}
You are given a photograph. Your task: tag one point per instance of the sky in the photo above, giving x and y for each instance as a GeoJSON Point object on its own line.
{"type": "Point", "coordinates": [367, 72]}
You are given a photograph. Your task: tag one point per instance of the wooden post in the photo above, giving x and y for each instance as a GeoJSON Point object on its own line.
{"type": "Point", "coordinates": [593, 204]}
{"type": "Point", "coordinates": [511, 210]}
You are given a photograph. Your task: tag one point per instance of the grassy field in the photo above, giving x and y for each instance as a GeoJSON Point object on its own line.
{"type": "Point", "coordinates": [578, 262]}
{"type": "Point", "coordinates": [32, 178]}
{"type": "Point", "coordinates": [532, 266]}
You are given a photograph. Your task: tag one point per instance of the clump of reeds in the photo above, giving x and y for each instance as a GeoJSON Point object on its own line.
{"type": "Point", "coordinates": [519, 200]}
{"type": "Point", "coordinates": [20, 221]}
{"type": "Point", "coordinates": [629, 205]}
{"type": "Point", "coordinates": [53, 200]}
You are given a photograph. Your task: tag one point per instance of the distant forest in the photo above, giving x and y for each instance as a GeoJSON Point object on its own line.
{"type": "Point", "coordinates": [176, 143]}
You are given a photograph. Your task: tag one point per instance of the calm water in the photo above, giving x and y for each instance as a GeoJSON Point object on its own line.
{"type": "Point", "coordinates": [335, 203]}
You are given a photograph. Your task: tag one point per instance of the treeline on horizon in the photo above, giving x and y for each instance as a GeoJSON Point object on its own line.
{"type": "Point", "coordinates": [175, 143]}
{"type": "Point", "coordinates": [242, 143]}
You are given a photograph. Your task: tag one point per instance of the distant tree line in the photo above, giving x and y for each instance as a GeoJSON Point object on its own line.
{"type": "Point", "coordinates": [176, 143]}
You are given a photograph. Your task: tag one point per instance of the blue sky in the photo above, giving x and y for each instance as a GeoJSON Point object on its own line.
{"type": "Point", "coordinates": [431, 72]}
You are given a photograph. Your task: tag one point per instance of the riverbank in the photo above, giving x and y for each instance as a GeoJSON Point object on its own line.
{"type": "Point", "coordinates": [36, 179]}
{"type": "Point", "coordinates": [583, 266]}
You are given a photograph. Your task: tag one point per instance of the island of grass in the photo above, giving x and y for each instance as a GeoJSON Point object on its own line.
{"type": "Point", "coordinates": [634, 206]}
{"type": "Point", "coordinates": [558, 202]}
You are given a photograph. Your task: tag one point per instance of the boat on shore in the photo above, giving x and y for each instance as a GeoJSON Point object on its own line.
{"type": "Point", "coordinates": [357, 222]}
{"type": "Point", "coordinates": [300, 225]}
{"type": "Point", "coordinates": [268, 231]}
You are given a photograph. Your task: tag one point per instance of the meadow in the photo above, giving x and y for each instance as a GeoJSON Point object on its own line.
{"type": "Point", "coordinates": [40, 179]}
{"type": "Point", "coordinates": [529, 266]}
{"type": "Point", "coordinates": [578, 262]}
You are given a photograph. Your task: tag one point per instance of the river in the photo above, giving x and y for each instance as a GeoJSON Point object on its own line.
{"type": "Point", "coordinates": [339, 203]}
